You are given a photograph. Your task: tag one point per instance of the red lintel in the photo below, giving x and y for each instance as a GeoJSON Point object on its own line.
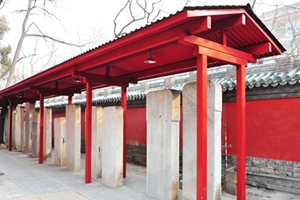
{"type": "Point", "coordinates": [95, 78]}
{"type": "Point", "coordinates": [194, 40]}
{"type": "Point", "coordinates": [53, 91]}
{"type": "Point", "coordinates": [217, 55]}
{"type": "Point", "coordinates": [259, 48]}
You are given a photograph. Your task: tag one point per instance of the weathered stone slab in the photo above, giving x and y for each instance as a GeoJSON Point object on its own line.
{"type": "Point", "coordinates": [29, 109]}
{"type": "Point", "coordinates": [73, 136]}
{"type": "Point", "coordinates": [96, 142]}
{"type": "Point", "coordinates": [14, 118]}
{"type": "Point", "coordinates": [35, 134]}
{"type": "Point", "coordinates": [19, 128]}
{"type": "Point", "coordinates": [6, 127]}
{"type": "Point", "coordinates": [47, 133]}
{"type": "Point", "coordinates": [213, 141]}
{"type": "Point", "coordinates": [112, 145]}
{"type": "Point", "coordinates": [60, 141]}
{"type": "Point", "coordinates": [163, 115]}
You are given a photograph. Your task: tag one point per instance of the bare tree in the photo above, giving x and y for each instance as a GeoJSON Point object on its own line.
{"type": "Point", "coordinates": [33, 30]}
{"type": "Point", "coordinates": [138, 11]}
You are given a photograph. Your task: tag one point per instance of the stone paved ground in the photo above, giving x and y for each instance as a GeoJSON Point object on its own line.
{"type": "Point", "coordinates": [24, 177]}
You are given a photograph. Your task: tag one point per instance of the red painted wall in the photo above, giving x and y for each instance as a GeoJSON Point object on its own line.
{"type": "Point", "coordinates": [136, 126]}
{"type": "Point", "coordinates": [272, 128]}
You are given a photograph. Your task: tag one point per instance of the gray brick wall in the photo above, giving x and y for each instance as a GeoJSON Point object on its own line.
{"type": "Point", "coordinates": [271, 174]}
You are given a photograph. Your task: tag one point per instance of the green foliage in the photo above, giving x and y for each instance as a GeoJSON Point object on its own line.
{"type": "Point", "coordinates": [5, 61]}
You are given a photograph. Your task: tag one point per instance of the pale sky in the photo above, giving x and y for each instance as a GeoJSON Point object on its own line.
{"type": "Point", "coordinates": [85, 19]}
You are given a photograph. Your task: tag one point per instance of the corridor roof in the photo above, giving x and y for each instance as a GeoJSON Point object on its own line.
{"type": "Point", "coordinates": [231, 29]}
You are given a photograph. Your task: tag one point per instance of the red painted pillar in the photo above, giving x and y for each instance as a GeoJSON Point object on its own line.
{"type": "Point", "coordinates": [41, 151]}
{"type": "Point", "coordinates": [10, 126]}
{"type": "Point", "coordinates": [201, 139]}
{"type": "Point", "coordinates": [241, 132]}
{"type": "Point", "coordinates": [70, 99]}
{"type": "Point", "coordinates": [88, 133]}
{"type": "Point", "coordinates": [124, 105]}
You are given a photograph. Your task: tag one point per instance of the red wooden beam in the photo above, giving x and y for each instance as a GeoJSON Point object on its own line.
{"type": "Point", "coordinates": [10, 125]}
{"type": "Point", "coordinates": [259, 48]}
{"type": "Point", "coordinates": [241, 130]}
{"type": "Point", "coordinates": [41, 150]}
{"type": "Point", "coordinates": [95, 78]}
{"type": "Point", "coordinates": [124, 106]}
{"type": "Point", "coordinates": [88, 133]}
{"type": "Point", "coordinates": [201, 138]}
{"type": "Point", "coordinates": [217, 55]}
{"type": "Point", "coordinates": [54, 91]}
{"type": "Point", "coordinates": [229, 23]}
{"type": "Point", "coordinates": [201, 42]}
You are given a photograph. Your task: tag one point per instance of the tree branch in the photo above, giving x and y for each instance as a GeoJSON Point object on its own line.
{"type": "Point", "coordinates": [54, 39]}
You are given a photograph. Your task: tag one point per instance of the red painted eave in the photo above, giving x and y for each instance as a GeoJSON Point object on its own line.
{"type": "Point", "coordinates": [125, 56]}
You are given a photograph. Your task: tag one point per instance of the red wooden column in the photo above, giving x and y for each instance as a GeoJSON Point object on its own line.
{"type": "Point", "coordinates": [124, 105]}
{"type": "Point", "coordinates": [241, 132]}
{"type": "Point", "coordinates": [201, 140]}
{"type": "Point", "coordinates": [10, 125]}
{"type": "Point", "coordinates": [88, 133]}
{"type": "Point", "coordinates": [70, 99]}
{"type": "Point", "coordinates": [41, 151]}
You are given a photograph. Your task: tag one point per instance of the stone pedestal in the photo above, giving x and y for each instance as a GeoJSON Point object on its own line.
{"type": "Point", "coordinates": [112, 145]}
{"type": "Point", "coordinates": [35, 134]}
{"type": "Point", "coordinates": [73, 136]}
{"type": "Point", "coordinates": [29, 109]}
{"type": "Point", "coordinates": [47, 133]}
{"type": "Point", "coordinates": [96, 142]}
{"type": "Point", "coordinates": [60, 141]}
{"type": "Point", "coordinates": [163, 115]}
{"type": "Point", "coordinates": [213, 141]}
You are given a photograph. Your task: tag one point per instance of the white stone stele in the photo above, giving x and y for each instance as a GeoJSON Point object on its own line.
{"type": "Point", "coordinates": [47, 133]}
{"type": "Point", "coordinates": [112, 145]}
{"type": "Point", "coordinates": [213, 141]}
{"type": "Point", "coordinates": [29, 109]}
{"type": "Point", "coordinates": [35, 134]}
{"type": "Point", "coordinates": [97, 142]}
{"type": "Point", "coordinates": [73, 136]}
{"type": "Point", "coordinates": [60, 141]}
{"type": "Point", "coordinates": [14, 117]}
{"type": "Point", "coordinates": [163, 116]}
{"type": "Point", "coordinates": [6, 127]}
{"type": "Point", "coordinates": [19, 128]}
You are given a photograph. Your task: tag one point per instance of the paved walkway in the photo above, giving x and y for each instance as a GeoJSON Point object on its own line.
{"type": "Point", "coordinates": [24, 178]}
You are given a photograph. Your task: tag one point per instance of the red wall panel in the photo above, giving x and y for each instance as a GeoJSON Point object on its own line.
{"type": "Point", "coordinates": [272, 128]}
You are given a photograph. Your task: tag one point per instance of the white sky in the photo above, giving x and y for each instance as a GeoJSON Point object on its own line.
{"type": "Point", "coordinates": [83, 19]}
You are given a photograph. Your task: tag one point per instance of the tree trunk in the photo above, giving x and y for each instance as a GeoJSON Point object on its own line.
{"type": "Point", "coordinates": [2, 120]}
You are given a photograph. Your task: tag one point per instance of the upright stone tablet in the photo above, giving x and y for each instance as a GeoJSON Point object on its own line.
{"type": "Point", "coordinates": [19, 130]}
{"type": "Point", "coordinates": [112, 145]}
{"type": "Point", "coordinates": [213, 141]}
{"type": "Point", "coordinates": [35, 135]}
{"type": "Point", "coordinates": [96, 142]}
{"type": "Point", "coordinates": [60, 141]}
{"type": "Point", "coordinates": [47, 133]}
{"type": "Point", "coordinates": [73, 136]}
{"type": "Point", "coordinates": [29, 109]}
{"type": "Point", "coordinates": [163, 115]}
